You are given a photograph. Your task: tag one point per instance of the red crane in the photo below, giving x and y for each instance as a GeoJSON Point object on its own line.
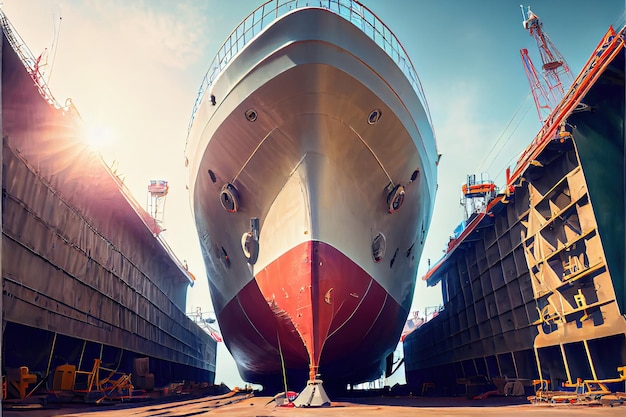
{"type": "Point", "coordinates": [549, 88]}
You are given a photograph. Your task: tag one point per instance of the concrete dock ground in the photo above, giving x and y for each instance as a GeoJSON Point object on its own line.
{"type": "Point", "coordinates": [251, 406]}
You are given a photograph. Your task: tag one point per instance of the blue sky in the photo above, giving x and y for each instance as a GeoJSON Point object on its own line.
{"type": "Point", "coordinates": [133, 69]}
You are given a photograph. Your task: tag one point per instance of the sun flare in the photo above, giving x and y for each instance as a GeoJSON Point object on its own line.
{"type": "Point", "coordinates": [99, 138]}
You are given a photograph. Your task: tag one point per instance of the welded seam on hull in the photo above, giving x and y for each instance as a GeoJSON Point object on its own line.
{"type": "Point", "coordinates": [382, 307]}
{"type": "Point", "coordinates": [423, 104]}
{"type": "Point", "coordinates": [258, 332]}
{"type": "Point", "coordinates": [253, 153]}
{"type": "Point", "coordinates": [296, 167]}
{"type": "Point", "coordinates": [276, 51]}
{"type": "Point", "coordinates": [250, 321]}
{"type": "Point", "coordinates": [354, 311]}
{"type": "Point", "coordinates": [373, 154]}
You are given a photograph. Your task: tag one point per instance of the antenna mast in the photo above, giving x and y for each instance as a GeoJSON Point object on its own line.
{"type": "Point", "coordinates": [549, 89]}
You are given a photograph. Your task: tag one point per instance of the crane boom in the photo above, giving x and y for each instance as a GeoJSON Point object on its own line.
{"type": "Point", "coordinates": [556, 77]}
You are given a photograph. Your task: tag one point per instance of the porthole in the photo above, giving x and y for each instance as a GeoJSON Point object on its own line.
{"type": "Point", "coordinates": [374, 117]}
{"type": "Point", "coordinates": [212, 176]}
{"type": "Point", "coordinates": [251, 115]}
{"type": "Point", "coordinates": [416, 174]}
{"type": "Point", "coordinates": [379, 244]}
{"type": "Point", "coordinates": [225, 258]}
{"type": "Point", "coordinates": [393, 259]}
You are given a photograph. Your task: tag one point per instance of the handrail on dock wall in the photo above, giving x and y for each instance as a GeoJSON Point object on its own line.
{"type": "Point", "coordinates": [30, 62]}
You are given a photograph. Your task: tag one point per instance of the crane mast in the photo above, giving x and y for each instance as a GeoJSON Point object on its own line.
{"type": "Point", "coordinates": [549, 86]}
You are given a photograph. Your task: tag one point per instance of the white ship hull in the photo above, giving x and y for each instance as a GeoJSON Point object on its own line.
{"type": "Point", "coordinates": [313, 128]}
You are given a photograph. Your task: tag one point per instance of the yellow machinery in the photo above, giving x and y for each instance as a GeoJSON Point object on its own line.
{"type": "Point", "coordinates": [64, 378]}
{"type": "Point", "coordinates": [595, 389]}
{"type": "Point", "coordinates": [585, 390]}
{"type": "Point", "coordinates": [116, 385]}
{"type": "Point", "coordinates": [18, 381]}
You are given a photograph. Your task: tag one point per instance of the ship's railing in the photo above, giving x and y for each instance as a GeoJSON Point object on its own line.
{"type": "Point", "coordinates": [30, 62]}
{"type": "Point", "coordinates": [197, 317]}
{"type": "Point", "coordinates": [351, 10]}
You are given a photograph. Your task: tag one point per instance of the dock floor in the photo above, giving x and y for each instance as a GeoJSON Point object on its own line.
{"type": "Point", "coordinates": [250, 406]}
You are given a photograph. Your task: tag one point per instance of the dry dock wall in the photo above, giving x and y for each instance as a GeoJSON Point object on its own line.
{"type": "Point", "coordinates": [537, 289]}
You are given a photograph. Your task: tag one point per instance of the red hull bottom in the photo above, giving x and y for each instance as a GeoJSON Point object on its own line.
{"type": "Point", "coordinates": [313, 305]}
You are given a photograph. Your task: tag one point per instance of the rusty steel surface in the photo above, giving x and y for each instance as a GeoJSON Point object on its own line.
{"type": "Point", "coordinates": [83, 264]}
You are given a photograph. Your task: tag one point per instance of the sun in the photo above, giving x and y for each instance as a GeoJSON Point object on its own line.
{"type": "Point", "coordinates": [99, 138]}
